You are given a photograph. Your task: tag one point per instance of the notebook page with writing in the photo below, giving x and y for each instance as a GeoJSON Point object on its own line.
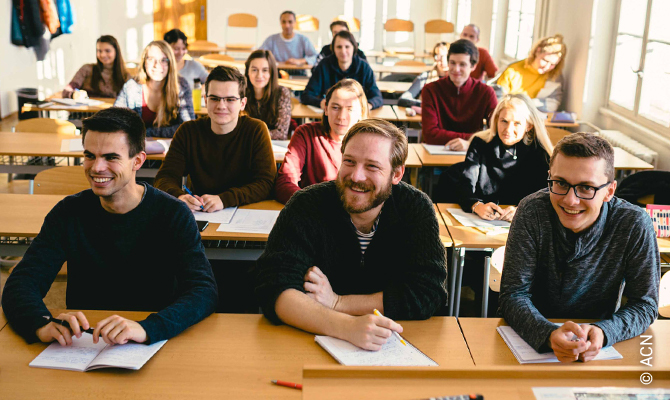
{"type": "Point", "coordinates": [76, 357]}
{"type": "Point", "coordinates": [129, 356]}
{"type": "Point", "coordinates": [218, 217]}
{"type": "Point", "coordinates": [392, 353]}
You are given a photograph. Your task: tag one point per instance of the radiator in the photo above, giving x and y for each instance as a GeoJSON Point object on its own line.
{"type": "Point", "coordinates": [631, 145]}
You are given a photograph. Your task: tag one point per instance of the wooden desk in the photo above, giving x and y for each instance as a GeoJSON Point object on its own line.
{"type": "Point", "coordinates": [399, 69]}
{"type": "Point", "coordinates": [107, 102]}
{"type": "Point", "coordinates": [240, 64]}
{"type": "Point", "coordinates": [299, 84]}
{"type": "Point", "coordinates": [3, 320]}
{"type": "Point", "coordinates": [387, 112]}
{"type": "Point", "coordinates": [500, 383]}
{"type": "Point", "coordinates": [663, 245]}
{"type": "Point", "coordinates": [623, 160]}
{"type": "Point", "coordinates": [548, 122]}
{"type": "Point", "coordinates": [488, 349]}
{"type": "Point", "coordinates": [230, 356]}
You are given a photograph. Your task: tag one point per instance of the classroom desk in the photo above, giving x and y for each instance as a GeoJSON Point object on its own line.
{"type": "Point", "coordinates": [42, 108]}
{"type": "Point", "coordinates": [239, 64]}
{"type": "Point", "coordinates": [498, 383]}
{"type": "Point", "coordinates": [488, 349]}
{"type": "Point", "coordinates": [230, 356]}
{"type": "Point", "coordinates": [387, 112]}
{"type": "Point", "coordinates": [399, 69]}
{"type": "Point", "coordinates": [299, 84]}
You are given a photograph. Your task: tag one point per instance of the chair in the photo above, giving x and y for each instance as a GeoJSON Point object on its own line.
{"type": "Point", "coordinates": [214, 57]}
{"type": "Point", "coordinates": [46, 125]}
{"type": "Point", "coordinates": [353, 22]}
{"type": "Point", "coordinates": [495, 273]}
{"type": "Point", "coordinates": [61, 180]}
{"type": "Point", "coordinates": [398, 25]}
{"type": "Point", "coordinates": [241, 20]}
{"type": "Point", "coordinates": [664, 296]}
{"type": "Point", "coordinates": [436, 26]}
{"type": "Point", "coordinates": [307, 23]}
{"type": "Point", "coordinates": [202, 47]}
{"type": "Point", "coordinates": [556, 134]}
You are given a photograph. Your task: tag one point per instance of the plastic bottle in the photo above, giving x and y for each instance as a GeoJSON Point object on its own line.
{"type": "Point", "coordinates": [197, 94]}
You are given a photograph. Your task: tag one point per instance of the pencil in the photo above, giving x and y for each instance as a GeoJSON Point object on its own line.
{"type": "Point", "coordinates": [377, 313]}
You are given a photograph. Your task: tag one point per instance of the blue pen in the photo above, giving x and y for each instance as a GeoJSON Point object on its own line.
{"type": "Point", "coordinates": [189, 192]}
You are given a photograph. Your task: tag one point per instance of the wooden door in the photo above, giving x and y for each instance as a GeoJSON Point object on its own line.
{"type": "Point", "coordinates": [188, 15]}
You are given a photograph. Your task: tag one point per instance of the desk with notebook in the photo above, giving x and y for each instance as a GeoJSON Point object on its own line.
{"type": "Point", "coordinates": [57, 103]}
{"type": "Point", "coordinates": [225, 356]}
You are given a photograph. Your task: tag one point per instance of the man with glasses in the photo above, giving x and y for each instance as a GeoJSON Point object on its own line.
{"type": "Point", "coordinates": [573, 250]}
{"type": "Point", "coordinates": [227, 157]}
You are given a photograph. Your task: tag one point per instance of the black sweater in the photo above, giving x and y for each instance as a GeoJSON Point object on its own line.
{"type": "Point", "coordinates": [405, 259]}
{"type": "Point", "coordinates": [328, 73]}
{"type": "Point", "coordinates": [149, 259]}
{"type": "Point", "coordinates": [491, 174]}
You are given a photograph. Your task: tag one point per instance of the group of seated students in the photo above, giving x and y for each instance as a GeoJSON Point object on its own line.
{"type": "Point", "coordinates": [353, 237]}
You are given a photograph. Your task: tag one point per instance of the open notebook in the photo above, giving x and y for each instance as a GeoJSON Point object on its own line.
{"type": "Point", "coordinates": [84, 355]}
{"type": "Point", "coordinates": [525, 354]}
{"type": "Point", "coordinates": [393, 353]}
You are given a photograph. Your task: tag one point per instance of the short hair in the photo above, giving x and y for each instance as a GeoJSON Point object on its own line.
{"type": "Point", "coordinates": [378, 126]}
{"type": "Point", "coordinates": [174, 35]}
{"type": "Point", "coordinates": [227, 74]}
{"type": "Point", "coordinates": [287, 12]}
{"type": "Point", "coordinates": [475, 28]}
{"type": "Point", "coordinates": [464, 46]}
{"type": "Point", "coordinates": [549, 45]}
{"type": "Point", "coordinates": [350, 85]}
{"type": "Point", "coordinates": [586, 145]}
{"type": "Point", "coordinates": [340, 23]}
{"type": "Point", "coordinates": [347, 36]}
{"type": "Point", "coordinates": [439, 45]}
{"type": "Point", "coordinates": [117, 119]}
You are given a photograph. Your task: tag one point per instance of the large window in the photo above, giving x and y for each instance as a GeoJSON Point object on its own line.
{"type": "Point", "coordinates": [520, 23]}
{"type": "Point", "coordinates": [463, 15]}
{"type": "Point", "coordinates": [640, 80]}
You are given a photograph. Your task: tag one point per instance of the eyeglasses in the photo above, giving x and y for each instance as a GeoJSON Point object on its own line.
{"type": "Point", "coordinates": [442, 58]}
{"type": "Point", "coordinates": [162, 61]}
{"type": "Point", "coordinates": [585, 192]}
{"type": "Point", "coordinates": [227, 100]}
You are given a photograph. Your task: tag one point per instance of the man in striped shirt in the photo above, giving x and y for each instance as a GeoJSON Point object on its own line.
{"type": "Point", "coordinates": [367, 241]}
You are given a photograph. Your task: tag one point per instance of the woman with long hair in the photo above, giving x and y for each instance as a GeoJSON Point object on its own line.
{"type": "Point", "coordinates": [160, 96]}
{"type": "Point", "coordinates": [412, 97]}
{"type": "Point", "coordinates": [106, 77]}
{"type": "Point", "coordinates": [504, 163]}
{"type": "Point", "coordinates": [189, 69]}
{"type": "Point", "coordinates": [266, 100]}
{"type": "Point", "coordinates": [539, 75]}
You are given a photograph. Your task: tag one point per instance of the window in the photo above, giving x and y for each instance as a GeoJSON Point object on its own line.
{"type": "Point", "coordinates": [463, 14]}
{"type": "Point", "coordinates": [640, 79]}
{"type": "Point", "coordinates": [520, 23]}
{"type": "Point", "coordinates": [368, 12]}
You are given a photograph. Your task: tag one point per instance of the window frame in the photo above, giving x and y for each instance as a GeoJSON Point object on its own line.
{"type": "Point", "coordinates": [518, 56]}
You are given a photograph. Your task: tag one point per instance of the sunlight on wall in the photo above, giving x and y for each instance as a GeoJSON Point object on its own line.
{"type": "Point", "coordinates": [368, 13]}
{"type": "Point", "coordinates": [147, 34]}
{"type": "Point", "coordinates": [187, 24]}
{"type": "Point", "coordinates": [131, 44]}
{"type": "Point", "coordinates": [131, 8]}
{"type": "Point", "coordinates": [40, 68]}
{"type": "Point", "coordinates": [147, 7]}
{"type": "Point", "coordinates": [60, 66]}
{"type": "Point", "coordinates": [402, 12]}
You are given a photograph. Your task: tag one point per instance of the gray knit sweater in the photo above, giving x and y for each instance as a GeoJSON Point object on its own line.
{"type": "Point", "coordinates": [551, 272]}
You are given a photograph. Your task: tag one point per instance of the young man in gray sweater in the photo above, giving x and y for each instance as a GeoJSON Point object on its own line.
{"type": "Point", "coordinates": [571, 251]}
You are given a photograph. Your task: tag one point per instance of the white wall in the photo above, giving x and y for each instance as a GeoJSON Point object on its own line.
{"type": "Point", "coordinates": [130, 22]}
{"type": "Point", "coordinates": [66, 55]}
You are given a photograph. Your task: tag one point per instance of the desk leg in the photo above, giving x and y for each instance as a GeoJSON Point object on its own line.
{"type": "Point", "coordinates": [414, 177]}
{"type": "Point", "coordinates": [452, 280]}
{"type": "Point", "coordinates": [459, 280]}
{"type": "Point", "coordinates": [485, 288]}
{"type": "Point", "coordinates": [429, 187]}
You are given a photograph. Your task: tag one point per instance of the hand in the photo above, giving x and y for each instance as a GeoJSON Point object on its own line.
{"type": "Point", "coordinates": [318, 288]}
{"type": "Point", "coordinates": [596, 336]}
{"type": "Point", "coordinates": [118, 330]}
{"type": "Point", "coordinates": [67, 92]}
{"type": "Point", "coordinates": [565, 348]}
{"type": "Point", "coordinates": [508, 214]}
{"type": "Point", "coordinates": [211, 203]}
{"type": "Point", "coordinates": [52, 331]}
{"type": "Point", "coordinates": [193, 202]}
{"type": "Point", "coordinates": [458, 144]}
{"type": "Point", "coordinates": [294, 61]}
{"type": "Point", "coordinates": [323, 104]}
{"type": "Point", "coordinates": [370, 332]}
{"type": "Point", "coordinates": [417, 110]}
{"type": "Point", "coordinates": [488, 211]}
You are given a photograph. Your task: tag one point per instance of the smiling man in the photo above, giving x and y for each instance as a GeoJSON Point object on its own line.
{"type": "Point", "coordinates": [573, 250]}
{"type": "Point", "coordinates": [227, 157]}
{"type": "Point", "coordinates": [289, 46]}
{"type": "Point", "coordinates": [128, 246]}
{"type": "Point", "coordinates": [454, 108]}
{"type": "Point", "coordinates": [366, 241]}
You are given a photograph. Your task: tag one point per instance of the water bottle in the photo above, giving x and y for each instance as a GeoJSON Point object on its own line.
{"type": "Point", "coordinates": [197, 94]}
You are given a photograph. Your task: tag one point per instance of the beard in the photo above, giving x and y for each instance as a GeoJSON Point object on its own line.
{"type": "Point", "coordinates": [377, 198]}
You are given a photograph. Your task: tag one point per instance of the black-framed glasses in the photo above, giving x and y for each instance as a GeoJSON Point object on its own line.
{"type": "Point", "coordinates": [585, 192]}
{"type": "Point", "coordinates": [227, 100]}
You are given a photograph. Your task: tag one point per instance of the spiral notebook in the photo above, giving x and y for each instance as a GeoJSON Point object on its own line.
{"type": "Point", "coordinates": [393, 353]}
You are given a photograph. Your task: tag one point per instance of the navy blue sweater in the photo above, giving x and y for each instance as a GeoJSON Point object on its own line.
{"type": "Point", "coordinates": [149, 259]}
{"type": "Point", "coordinates": [328, 73]}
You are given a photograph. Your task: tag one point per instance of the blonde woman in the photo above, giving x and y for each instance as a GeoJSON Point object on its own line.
{"type": "Point", "coordinates": [539, 76]}
{"type": "Point", "coordinates": [412, 97]}
{"type": "Point", "coordinates": [505, 163]}
{"type": "Point", "coordinates": [160, 96]}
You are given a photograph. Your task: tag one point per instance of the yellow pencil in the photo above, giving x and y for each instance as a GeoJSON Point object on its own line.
{"type": "Point", "coordinates": [377, 313]}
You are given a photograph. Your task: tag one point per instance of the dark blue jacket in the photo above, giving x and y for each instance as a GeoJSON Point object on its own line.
{"type": "Point", "coordinates": [328, 73]}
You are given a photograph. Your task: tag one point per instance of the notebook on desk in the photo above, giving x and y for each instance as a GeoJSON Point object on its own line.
{"type": "Point", "coordinates": [439, 150]}
{"type": "Point", "coordinates": [393, 353]}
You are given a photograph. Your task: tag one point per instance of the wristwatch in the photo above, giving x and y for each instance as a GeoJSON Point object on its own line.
{"type": "Point", "coordinates": [475, 205]}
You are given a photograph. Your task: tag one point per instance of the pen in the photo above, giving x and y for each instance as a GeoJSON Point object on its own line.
{"type": "Point", "coordinates": [377, 313]}
{"type": "Point", "coordinates": [189, 192]}
{"type": "Point", "coordinates": [67, 325]}
{"type": "Point", "coordinates": [287, 384]}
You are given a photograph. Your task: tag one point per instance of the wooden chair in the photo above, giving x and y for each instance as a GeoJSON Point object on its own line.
{"type": "Point", "coordinates": [202, 47]}
{"type": "Point", "coordinates": [398, 25]}
{"type": "Point", "coordinates": [214, 57]}
{"type": "Point", "coordinates": [307, 23]}
{"type": "Point", "coordinates": [353, 22]}
{"type": "Point", "coordinates": [497, 259]}
{"type": "Point", "coordinates": [664, 296]}
{"type": "Point", "coordinates": [435, 26]}
{"type": "Point", "coordinates": [556, 134]}
{"type": "Point", "coordinates": [241, 20]}
{"type": "Point", "coordinates": [46, 125]}
{"type": "Point", "coordinates": [410, 63]}
{"type": "Point", "coordinates": [61, 180]}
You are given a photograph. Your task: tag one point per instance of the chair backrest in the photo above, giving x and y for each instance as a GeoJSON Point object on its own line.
{"type": "Point", "coordinates": [307, 23]}
{"type": "Point", "coordinates": [46, 125]}
{"type": "Point", "coordinates": [242, 20]}
{"type": "Point", "coordinates": [398, 25]}
{"type": "Point", "coordinates": [438, 26]}
{"type": "Point", "coordinates": [200, 45]}
{"type": "Point", "coordinates": [556, 134]}
{"type": "Point", "coordinates": [664, 296]}
{"type": "Point", "coordinates": [497, 259]}
{"type": "Point", "coordinates": [353, 22]}
{"type": "Point", "coordinates": [61, 180]}
{"type": "Point", "coordinates": [246, 21]}
{"type": "Point", "coordinates": [214, 57]}
{"type": "Point", "coordinates": [411, 63]}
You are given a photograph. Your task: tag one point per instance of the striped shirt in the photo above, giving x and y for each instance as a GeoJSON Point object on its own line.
{"type": "Point", "coordinates": [365, 238]}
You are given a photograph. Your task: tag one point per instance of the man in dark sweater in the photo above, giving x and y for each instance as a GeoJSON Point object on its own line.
{"type": "Point", "coordinates": [454, 107]}
{"type": "Point", "coordinates": [366, 241]}
{"type": "Point", "coordinates": [227, 157]}
{"type": "Point", "coordinates": [326, 50]}
{"type": "Point", "coordinates": [572, 249]}
{"type": "Point", "coordinates": [128, 246]}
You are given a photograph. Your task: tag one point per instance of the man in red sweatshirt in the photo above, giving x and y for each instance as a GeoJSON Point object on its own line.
{"type": "Point", "coordinates": [455, 107]}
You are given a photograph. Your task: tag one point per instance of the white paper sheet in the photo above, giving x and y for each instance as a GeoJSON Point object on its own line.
{"type": "Point", "coordinates": [315, 109]}
{"type": "Point", "coordinates": [392, 353]}
{"type": "Point", "coordinates": [129, 355]}
{"type": "Point", "coordinates": [439, 150]}
{"type": "Point", "coordinates": [71, 145]}
{"type": "Point", "coordinates": [79, 102]}
{"type": "Point", "coordinates": [251, 221]}
{"type": "Point", "coordinates": [75, 357]}
{"type": "Point", "coordinates": [473, 220]}
{"type": "Point", "coordinates": [599, 393]}
{"type": "Point", "coordinates": [218, 217]}
{"type": "Point", "coordinates": [279, 149]}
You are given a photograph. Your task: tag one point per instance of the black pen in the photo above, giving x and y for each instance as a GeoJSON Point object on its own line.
{"type": "Point", "coordinates": [67, 324]}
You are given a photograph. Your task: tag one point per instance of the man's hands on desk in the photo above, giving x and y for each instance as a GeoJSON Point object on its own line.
{"type": "Point", "coordinates": [112, 330]}
{"type": "Point", "coordinates": [572, 342]}
{"type": "Point", "coordinates": [208, 202]}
